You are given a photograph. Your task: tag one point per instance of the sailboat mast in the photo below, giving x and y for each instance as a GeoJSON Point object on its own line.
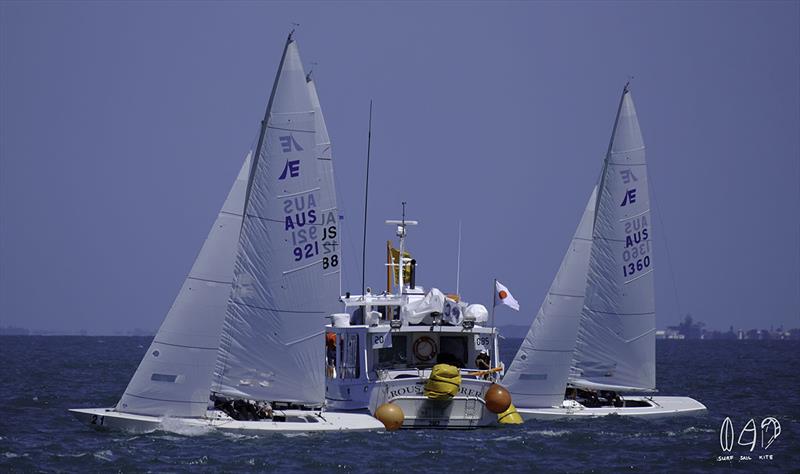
{"type": "Point", "coordinates": [366, 202]}
{"type": "Point", "coordinates": [264, 123]}
{"type": "Point", "coordinates": [610, 146]}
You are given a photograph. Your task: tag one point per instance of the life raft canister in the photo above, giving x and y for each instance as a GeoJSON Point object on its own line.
{"type": "Point", "coordinates": [444, 382]}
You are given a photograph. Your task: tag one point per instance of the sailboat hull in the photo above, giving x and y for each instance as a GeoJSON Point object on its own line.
{"type": "Point", "coordinates": [297, 422]}
{"type": "Point", "coordinates": [653, 407]}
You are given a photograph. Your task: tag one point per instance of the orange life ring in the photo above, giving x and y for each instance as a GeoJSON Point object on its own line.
{"type": "Point", "coordinates": [424, 348]}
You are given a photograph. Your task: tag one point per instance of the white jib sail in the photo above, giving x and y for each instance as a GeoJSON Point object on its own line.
{"type": "Point", "coordinates": [616, 337]}
{"type": "Point", "coordinates": [272, 346]}
{"type": "Point", "coordinates": [538, 374]}
{"type": "Point", "coordinates": [174, 376]}
{"type": "Point", "coordinates": [330, 240]}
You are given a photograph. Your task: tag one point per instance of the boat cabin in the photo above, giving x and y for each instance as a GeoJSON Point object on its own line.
{"type": "Point", "coordinates": [389, 337]}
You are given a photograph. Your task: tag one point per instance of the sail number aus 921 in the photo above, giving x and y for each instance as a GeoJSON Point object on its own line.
{"type": "Point", "coordinates": [631, 268]}
{"type": "Point", "coordinates": [306, 251]}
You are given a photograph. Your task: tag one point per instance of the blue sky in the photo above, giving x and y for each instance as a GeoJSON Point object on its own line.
{"type": "Point", "coordinates": [122, 126]}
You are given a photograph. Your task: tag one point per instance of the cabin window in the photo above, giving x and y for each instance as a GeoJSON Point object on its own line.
{"type": "Point", "coordinates": [396, 355]}
{"type": "Point", "coordinates": [349, 356]}
{"type": "Point", "coordinates": [389, 312]}
{"type": "Point", "coordinates": [453, 350]}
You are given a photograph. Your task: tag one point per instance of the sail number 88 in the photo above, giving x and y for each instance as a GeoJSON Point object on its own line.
{"type": "Point", "coordinates": [631, 268]}
{"type": "Point", "coordinates": [331, 261]}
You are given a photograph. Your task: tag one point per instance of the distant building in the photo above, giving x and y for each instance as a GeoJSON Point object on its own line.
{"type": "Point", "coordinates": [669, 333]}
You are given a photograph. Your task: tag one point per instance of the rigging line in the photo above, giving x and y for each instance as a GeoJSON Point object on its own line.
{"type": "Point", "coordinates": [666, 247]}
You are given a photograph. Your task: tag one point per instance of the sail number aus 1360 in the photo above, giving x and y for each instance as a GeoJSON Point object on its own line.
{"type": "Point", "coordinates": [631, 268]}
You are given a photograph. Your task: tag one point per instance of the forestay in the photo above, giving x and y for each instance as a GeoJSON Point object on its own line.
{"type": "Point", "coordinates": [616, 337]}
{"type": "Point", "coordinates": [538, 374]}
{"type": "Point", "coordinates": [271, 346]}
{"type": "Point", "coordinates": [175, 374]}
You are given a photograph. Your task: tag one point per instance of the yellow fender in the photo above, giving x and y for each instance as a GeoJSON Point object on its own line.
{"type": "Point", "coordinates": [443, 383]}
{"type": "Point", "coordinates": [510, 416]}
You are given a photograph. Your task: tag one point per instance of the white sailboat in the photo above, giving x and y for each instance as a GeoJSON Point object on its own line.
{"type": "Point", "coordinates": [594, 335]}
{"type": "Point", "coordinates": [242, 347]}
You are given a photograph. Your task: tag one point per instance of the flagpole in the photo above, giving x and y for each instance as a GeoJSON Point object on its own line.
{"type": "Point", "coordinates": [494, 301]}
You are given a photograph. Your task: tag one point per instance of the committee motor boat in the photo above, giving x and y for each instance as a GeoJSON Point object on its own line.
{"type": "Point", "coordinates": [421, 358]}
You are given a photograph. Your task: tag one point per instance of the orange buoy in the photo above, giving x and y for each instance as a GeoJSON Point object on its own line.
{"type": "Point", "coordinates": [391, 415]}
{"type": "Point", "coordinates": [497, 398]}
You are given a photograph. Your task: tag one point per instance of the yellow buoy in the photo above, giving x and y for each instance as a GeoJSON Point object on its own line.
{"type": "Point", "coordinates": [390, 415]}
{"type": "Point", "coordinates": [510, 416]}
{"type": "Point", "coordinates": [497, 398]}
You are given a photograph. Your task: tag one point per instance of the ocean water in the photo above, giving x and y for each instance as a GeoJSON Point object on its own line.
{"type": "Point", "coordinates": [43, 376]}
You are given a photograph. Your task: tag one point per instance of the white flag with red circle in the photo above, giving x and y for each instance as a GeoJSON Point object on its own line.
{"type": "Point", "coordinates": [503, 296]}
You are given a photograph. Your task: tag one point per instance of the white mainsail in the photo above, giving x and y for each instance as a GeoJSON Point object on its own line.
{"type": "Point", "coordinates": [538, 374]}
{"type": "Point", "coordinates": [174, 376]}
{"type": "Point", "coordinates": [616, 338]}
{"type": "Point", "coordinates": [331, 250]}
{"type": "Point", "coordinates": [271, 346]}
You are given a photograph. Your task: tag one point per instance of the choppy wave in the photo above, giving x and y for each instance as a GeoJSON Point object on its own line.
{"type": "Point", "coordinates": [105, 455]}
{"type": "Point", "coordinates": [183, 428]}
{"type": "Point", "coordinates": [53, 374]}
{"type": "Point", "coordinates": [550, 432]}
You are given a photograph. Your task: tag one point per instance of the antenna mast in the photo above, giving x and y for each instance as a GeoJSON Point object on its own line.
{"type": "Point", "coordinates": [458, 265]}
{"type": "Point", "coordinates": [366, 202]}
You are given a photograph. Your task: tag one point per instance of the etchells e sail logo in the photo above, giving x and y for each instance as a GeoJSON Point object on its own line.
{"type": "Point", "coordinates": [291, 168]}
{"type": "Point", "coordinates": [630, 197]}
{"type": "Point", "coordinates": [288, 143]}
{"type": "Point", "coordinates": [628, 176]}
{"type": "Point", "coordinates": [749, 436]}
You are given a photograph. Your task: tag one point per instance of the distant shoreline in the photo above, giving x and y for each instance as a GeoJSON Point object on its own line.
{"type": "Point", "coordinates": [505, 337]}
